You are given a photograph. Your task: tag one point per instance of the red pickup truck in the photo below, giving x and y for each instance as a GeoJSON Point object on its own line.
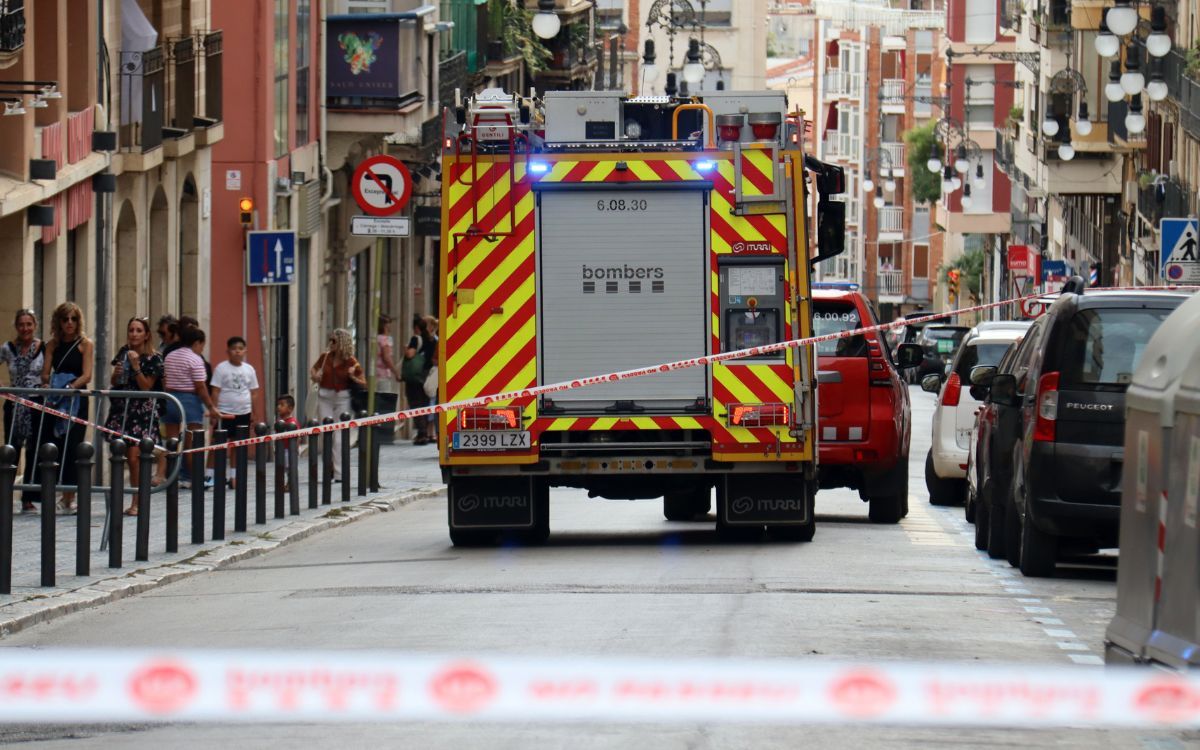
{"type": "Point", "coordinates": [863, 424]}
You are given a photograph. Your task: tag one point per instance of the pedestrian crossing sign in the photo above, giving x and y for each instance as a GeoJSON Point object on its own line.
{"type": "Point", "coordinates": [1180, 251]}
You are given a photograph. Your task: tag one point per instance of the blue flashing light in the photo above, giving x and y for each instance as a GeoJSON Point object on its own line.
{"type": "Point", "coordinates": [845, 286]}
{"type": "Point", "coordinates": [538, 167]}
{"type": "Point", "coordinates": [704, 166]}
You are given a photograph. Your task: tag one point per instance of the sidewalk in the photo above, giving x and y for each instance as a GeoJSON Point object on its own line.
{"type": "Point", "coordinates": [406, 473]}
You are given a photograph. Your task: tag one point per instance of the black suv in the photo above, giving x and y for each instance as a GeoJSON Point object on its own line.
{"type": "Point", "coordinates": [939, 342]}
{"type": "Point", "coordinates": [1060, 426]}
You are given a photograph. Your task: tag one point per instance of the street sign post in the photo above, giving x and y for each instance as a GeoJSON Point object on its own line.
{"type": "Point", "coordinates": [270, 258]}
{"type": "Point", "coordinates": [380, 226]}
{"type": "Point", "coordinates": [381, 185]}
{"type": "Point", "coordinates": [1180, 250]}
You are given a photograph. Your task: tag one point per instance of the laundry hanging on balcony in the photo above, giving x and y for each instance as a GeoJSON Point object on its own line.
{"type": "Point", "coordinates": [831, 121]}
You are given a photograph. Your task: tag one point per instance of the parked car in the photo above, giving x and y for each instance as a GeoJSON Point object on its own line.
{"type": "Point", "coordinates": [954, 413]}
{"type": "Point", "coordinates": [864, 416]}
{"type": "Point", "coordinates": [939, 343]}
{"type": "Point", "coordinates": [981, 436]}
{"type": "Point", "coordinates": [1060, 426]}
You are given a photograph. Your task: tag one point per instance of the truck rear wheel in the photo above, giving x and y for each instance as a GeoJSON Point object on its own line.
{"type": "Point", "coordinates": [687, 505]}
{"type": "Point", "coordinates": [889, 505]}
{"type": "Point", "coordinates": [465, 538]}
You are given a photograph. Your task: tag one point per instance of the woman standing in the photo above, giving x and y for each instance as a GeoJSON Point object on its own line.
{"type": "Point", "coordinates": [23, 356]}
{"type": "Point", "coordinates": [419, 355]}
{"type": "Point", "coordinates": [137, 367]}
{"type": "Point", "coordinates": [387, 374]}
{"type": "Point", "coordinates": [333, 372]}
{"type": "Point", "coordinates": [68, 364]}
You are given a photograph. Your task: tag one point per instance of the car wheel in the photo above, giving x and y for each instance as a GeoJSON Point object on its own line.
{"type": "Point", "coordinates": [1038, 551]}
{"type": "Point", "coordinates": [889, 506]}
{"type": "Point", "coordinates": [995, 524]}
{"type": "Point", "coordinates": [969, 505]}
{"type": "Point", "coordinates": [941, 491]}
{"type": "Point", "coordinates": [981, 525]}
{"type": "Point", "coordinates": [1012, 534]}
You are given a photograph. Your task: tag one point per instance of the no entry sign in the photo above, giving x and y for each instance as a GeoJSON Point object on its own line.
{"type": "Point", "coordinates": [381, 185]}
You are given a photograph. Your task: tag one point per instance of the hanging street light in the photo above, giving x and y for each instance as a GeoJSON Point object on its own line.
{"type": "Point", "coordinates": [980, 181]}
{"type": "Point", "coordinates": [1158, 44]}
{"type": "Point", "coordinates": [649, 68]}
{"type": "Point", "coordinates": [889, 185]}
{"type": "Point", "coordinates": [961, 165]}
{"type": "Point", "coordinates": [1132, 80]}
{"type": "Point", "coordinates": [1066, 151]}
{"type": "Point", "coordinates": [948, 180]}
{"type": "Point", "coordinates": [879, 202]}
{"type": "Point", "coordinates": [1135, 121]}
{"type": "Point", "coordinates": [1112, 90]}
{"type": "Point", "coordinates": [934, 164]}
{"type": "Point", "coordinates": [693, 71]}
{"type": "Point", "coordinates": [1122, 18]}
{"type": "Point", "coordinates": [966, 197]}
{"type": "Point", "coordinates": [1050, 125]}
{"type": "Point", "coordinates": [1083, 126]}
{"type": "Point", "coordinates": [1107, 44]}
{"type": "Point", "coordinates": [868, 184]}
{"type": "Point", "coordinates": [546, 23]}
{"type": "Point", "coordinates": [1156, 89]}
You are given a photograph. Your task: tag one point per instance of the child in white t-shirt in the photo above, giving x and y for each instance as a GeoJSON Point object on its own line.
{"type": "Point", "coordinates": [232, 383]}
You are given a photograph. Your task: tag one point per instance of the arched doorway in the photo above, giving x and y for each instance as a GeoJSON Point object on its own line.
{"type": "Point", "coordinates": [128, 272]}
{"type": "Point", "coordinates": [189, 249]}
{"type": "Point", "coordinates": [160, 255]}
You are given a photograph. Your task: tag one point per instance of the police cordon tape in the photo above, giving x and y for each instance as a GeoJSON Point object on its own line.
{"type": "Point", "coordinates": [43, 686]}
{"type": "Point", "coordinates": [566, 385]}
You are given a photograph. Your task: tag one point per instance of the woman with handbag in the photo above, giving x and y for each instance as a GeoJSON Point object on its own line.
{"type": "Point", "coordinates": [418, 358]}
{"type": "Point", "coordinates": [335, 372]}
{"type": "Point", "coordinates": [68, 364]}
{"type": "Point", "coordinates": [137, 367]}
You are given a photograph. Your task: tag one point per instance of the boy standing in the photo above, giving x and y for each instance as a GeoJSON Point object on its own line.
{"type": "Point", "coordinates": [285, 411]}
{"type": "Point", "coordinates": [232, 383]}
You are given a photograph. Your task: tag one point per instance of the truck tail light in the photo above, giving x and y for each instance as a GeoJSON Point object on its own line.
{"type": "Point", "coordinates": [759, 415]}
{"type": "Point", "coordinates": [1047, 407]}
{"type": "Point", "coordinates": [490, 418]}
{"type": "Point", "coordinates": [952, 391]}
{"type": "Point", "coordinates": [876, 364]}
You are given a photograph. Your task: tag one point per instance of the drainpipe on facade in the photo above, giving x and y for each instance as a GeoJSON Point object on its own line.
{"type": "Point", "coordinates": [103, 243]}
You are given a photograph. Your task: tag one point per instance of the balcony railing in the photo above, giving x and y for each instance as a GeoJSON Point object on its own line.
{"type": "Point", "coordinates": [891, 219]}
{"type": "Point", "coordinates": [895, 152]}
{"type": "Point", "coordinates": [452, 74]}
{"type": "Point", "coordinates": [1166, 200]}
{"type": "Point", "coordinates": [142, 99]}
{"type": "Point", "coordinates": [893, 90]}
{"type": "Point", "coordinates": [891, 283]}
{"type": "Point", "coordinates": [842, 83]}
{"type": "Point", "coordinates": [213, 49]}
{"type": "Point", "coordinates": [182, 83]}
{"type": "Point", "coordinates": [12, 25]}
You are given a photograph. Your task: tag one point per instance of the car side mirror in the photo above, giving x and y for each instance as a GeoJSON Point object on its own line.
{"type": "Point", "coordinates": [979, 392]}
{"type": "Point", "coordinates": [982, 375]}
{"type": "Point", "coordinates": [909, 355]}
{"type": "Point", "coordinates": [1003, 390]}
{"type": "Point", "coordinates": [931, 383]}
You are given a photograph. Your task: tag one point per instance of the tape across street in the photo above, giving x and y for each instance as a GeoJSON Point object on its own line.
{"type": "Point", "coordinates": [400, 416]}
{"type": "Point", "coordinates": [38, 686]}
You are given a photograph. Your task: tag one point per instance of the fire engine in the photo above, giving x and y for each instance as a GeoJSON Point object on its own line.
{"type": "Point", "coordinates": [586, 233]}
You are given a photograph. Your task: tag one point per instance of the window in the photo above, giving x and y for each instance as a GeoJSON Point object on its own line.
{"type": "Point", "coordinates": [281, 77]}
{"type": "Point", "coordinates": [830, 316]}
{"type": "Point", "coordinates": [609, 13]}
{"type": "Point", "coordinates": [979, 355]}
{"type": "Point", "coordinates": [1103, 347]}
{"type": "Point", "coordinates": [981, 97]}
{"type": "Point", "coordinates": [303, 57]}
{"type": "Point", "coordinates": [981, 21]}
{"type": "Point", "coordinates": [715, 12]}
{"type": "Point", "coordinates": [369, 6]}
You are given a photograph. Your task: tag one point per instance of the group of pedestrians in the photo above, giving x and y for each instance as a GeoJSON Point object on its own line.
{"type": "Point", "coordinates": [201, 393]}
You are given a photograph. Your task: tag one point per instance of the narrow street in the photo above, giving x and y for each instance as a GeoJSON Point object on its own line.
{"type": "Point", "coordinates": [617, 580]}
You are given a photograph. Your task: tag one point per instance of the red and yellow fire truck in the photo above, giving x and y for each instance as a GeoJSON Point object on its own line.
{"type": "Point", "coordinates": [586, 233]}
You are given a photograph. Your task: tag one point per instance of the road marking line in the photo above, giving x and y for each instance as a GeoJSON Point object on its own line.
{"type": "Point", "coordinates": [1038, 610]}
{"type": "Point", "coordinates": [1059, 633]}
{"type": "Point", "coordinates": [1087, 659]}
{"type": "Point", "coordinates": [1017, 591]}
{"type": "Point", "coordinates": [1030, 601]}
{"type": "Point", "coordinates": [1047, 620]}
{"type": "Point", "coordinates": [1072, 646]}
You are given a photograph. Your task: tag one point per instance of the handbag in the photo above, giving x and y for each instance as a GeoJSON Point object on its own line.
{"type": "Point", "coordinates": [431, 382]}
{"type": "Point", "coordinates": [413, 369]}
{"type": "Point", "coordinates": [358, 397]}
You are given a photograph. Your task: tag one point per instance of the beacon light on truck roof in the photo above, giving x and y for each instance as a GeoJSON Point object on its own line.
{"type": "Point", "coordinates": [538, 167]}
{"type": "Point", "coordinates": [704, 165]}
{"type": "Point", "coordinates": [759, 415]}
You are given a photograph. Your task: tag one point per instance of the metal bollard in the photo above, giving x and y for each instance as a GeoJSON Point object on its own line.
{"type": "Point", "coordinates": [364, 455]}
{"type": "Point", "coordinates": [260, 475]}
{"type": "Point", "coordinates": [376, 442]}
{"type": "Point", "coordinates": [293, 473]}
{"type": "Point", "coordinates": [173, 459]}
{"type": "Point", "coordinates": [141, 549]}
{"type": "Point", "coordinates": [327, 464]}
{"type": "Point", "coordinates": [116, 497]}
{"type": "Point", "coordinates": [314, 442]}
{"type": "Point", "coordinates": [197, 460]}
{"type": "Point", "coordinates": [345, 417]}
{"type": "Point", "coordinates": [280, 469]}
{"type": "Point", "coordinates": [241, 478]}
{"type": "Point", "coordinates": [49, 468]}
{"type": "Point", "coordinates": [83, 499]}
{"type": "Point", "coordinates": [220, 437]}
{"type": "Point", "coordinates": [8, 477]}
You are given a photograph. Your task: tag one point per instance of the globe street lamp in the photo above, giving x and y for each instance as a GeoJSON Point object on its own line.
{"type": "Point", "coordinates": [546, 23]}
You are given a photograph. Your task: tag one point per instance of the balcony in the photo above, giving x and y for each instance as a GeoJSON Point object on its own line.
{"type": "Point", "coordinates": [213, 53]}
{"type": "Point", "coordinates": [893, 93]}
{"type": "Point", "coordinates": [891, 286]}
{"type": "Point", "coordinates": [841, 83]}
{"type": "Point", "coordinates": [452, 74]}
{"type": "Point", "coordinates": [842, 146]}
{"type": "Point", "coordinates": [141, 116]}
{"type": "Point", "coordinates": [891, 221]}
{"type": "Point", "coordinates": [895, 152]}
{"type": "Point", "coordinates": [377, 88]}
{"type": "Point", "coordinates": [1184, 90]}
{"type": "Point", "coordinates": [1165, 200]}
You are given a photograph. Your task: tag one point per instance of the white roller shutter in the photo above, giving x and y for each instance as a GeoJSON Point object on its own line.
{"type": "Point", "coordinates": [623, 282]}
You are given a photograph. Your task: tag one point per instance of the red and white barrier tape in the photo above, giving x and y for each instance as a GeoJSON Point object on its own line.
{"type": "Point", "coordinates": [611, 377]}
{"type": "Point", "coordinates": [110, 686]}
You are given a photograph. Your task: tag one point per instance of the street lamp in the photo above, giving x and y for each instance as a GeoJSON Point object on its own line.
{"type": "Point", "coordinates": [1135, 121]}
{"type": "Point", "coordinates": [980, 181]}
{"type": "Point", "coordinates": [1158, 44]}
{"type": "Point", "coordinates": [1083, 126]}
{"type": "Point", "coordinates": [649, 68]}
{"type": "Point", "coordinates": [879, 202]}
{"type": "Point", "coordinates": [1107, 44]}
{"type": "Point", "coordinates": [934, 164]}
{"type": "Point", "coordinates": [948, 180]}
{"type": "Point", "coordinates": [1050, 125]}
{"type": "Point", "coordinates": [1066, 151]}
{"type": "Point", "coordinates": [961, 165]}
{"type": "Point", "coordinates": [1112, 90]}
{"type": "Point", "coordinates": [868, 183]}
{"type": "Point", "coordinates": [693, 71]}
{"type": "Point", "coordinates": [546, 23]}
{"type": "Point", "coordinates": [966, 197]}
{"type": "Point", "coordinates": [1122, 18]}
{"type": "Point", "coordinates": [889, 185]}
{"type": "Point", "coordinates": [1156, 89]}
{"type": "Point", "coordinates": [1132, 80]}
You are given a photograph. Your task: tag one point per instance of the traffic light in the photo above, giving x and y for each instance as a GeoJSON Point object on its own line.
{"type": "Point", "coordinates": [952, 274]}
{"type": "Point", "coordinates": [246, 211]}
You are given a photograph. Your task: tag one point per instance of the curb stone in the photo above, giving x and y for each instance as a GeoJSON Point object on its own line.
{"type": "Point", "coordinates": [41, 608]}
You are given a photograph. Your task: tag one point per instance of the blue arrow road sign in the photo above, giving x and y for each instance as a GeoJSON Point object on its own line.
{"type": "Point", "coordinates": [270, 258]}
{"type": "Point", "coordinates": [1179, 250]}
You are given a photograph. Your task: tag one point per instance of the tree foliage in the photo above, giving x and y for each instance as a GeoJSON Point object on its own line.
{"type": "Point", "coordinates": [926, 186]}
{"type": "Point", "coordinates": [516, 30]}
{"type": "Point", "coordinates": [970, 272]}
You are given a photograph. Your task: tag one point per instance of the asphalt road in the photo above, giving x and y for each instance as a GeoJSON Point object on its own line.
{"type": "Point", "coordinates": [616, 579]}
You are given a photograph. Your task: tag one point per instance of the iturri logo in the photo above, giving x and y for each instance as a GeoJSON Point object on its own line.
{"type": "Point", "coordinates": [741, 506]}
{"type": "Point", "coordinates": [468, 503]}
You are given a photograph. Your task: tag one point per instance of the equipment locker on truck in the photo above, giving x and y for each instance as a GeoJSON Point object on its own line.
{"type": "Point", "coordinates": [587, 233]}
